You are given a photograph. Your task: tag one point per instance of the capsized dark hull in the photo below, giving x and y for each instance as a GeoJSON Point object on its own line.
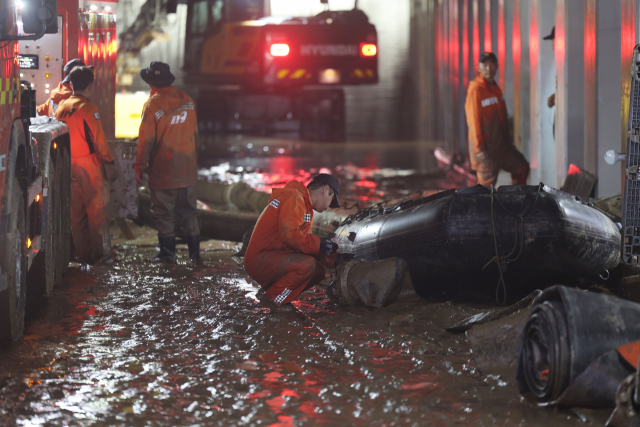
{"type": "Point", "coordinates": [447, 239]}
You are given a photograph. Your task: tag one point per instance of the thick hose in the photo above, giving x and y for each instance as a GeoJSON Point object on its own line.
{"type": "Point", "coordinates": [568, 355]}
{"type": "Point", "coordinates": [546, 351]}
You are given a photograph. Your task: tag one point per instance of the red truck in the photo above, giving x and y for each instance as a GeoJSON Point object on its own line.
{"type": "Point", "coordinates": [37, 37]}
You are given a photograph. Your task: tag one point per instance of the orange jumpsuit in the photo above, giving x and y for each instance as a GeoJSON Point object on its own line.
{"type": "Point", "coordinates": [89, 187]}
{"type": "Point", "coordinates": [490, 146]}
{"type": "Point", "coordinates": [170, 126]}
{"type": "Point", "coordinates": [280, 251]}
{"type": "Point", "coordinates": [58, 95]}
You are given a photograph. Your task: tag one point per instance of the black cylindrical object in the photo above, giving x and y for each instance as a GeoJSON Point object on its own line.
{"type": "Point", "coordinates": [544, 236]}
{"type": "Point", "coordinates": [568, 355]}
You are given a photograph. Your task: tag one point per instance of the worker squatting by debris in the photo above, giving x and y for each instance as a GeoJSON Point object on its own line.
{"type": "Point", "coordinates": [283, 256]}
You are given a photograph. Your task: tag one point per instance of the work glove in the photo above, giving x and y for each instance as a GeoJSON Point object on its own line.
{"type": "Point", "coordinates": [327, 246]}
{"type": "Point", "coordinates": [139, 178]}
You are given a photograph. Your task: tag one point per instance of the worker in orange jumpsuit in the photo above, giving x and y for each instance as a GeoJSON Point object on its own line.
{"type": "Point", "coordinates": [283, 255]}
{"type": "Point", "coordinates": [60, 93]}
{"type": "Point", "coordinates": [490, 144]}
{"type": "Point", "coordinates": [90, 156]}
{"type": "Point", "coordinates": [167, 149]}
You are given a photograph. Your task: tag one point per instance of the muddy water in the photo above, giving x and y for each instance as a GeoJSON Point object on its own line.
{"type": "Point", "coordinates": [140, 344]}
{"type": "Point", "coordinates": [369, 172]}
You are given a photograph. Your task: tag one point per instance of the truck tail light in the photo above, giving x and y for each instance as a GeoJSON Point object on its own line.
{"type": "Point", "coordinates": [279, 49]}
{"type": "Point", "coordinates": [368, 49]}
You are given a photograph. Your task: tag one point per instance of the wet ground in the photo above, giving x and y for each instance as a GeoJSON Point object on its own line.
{"type": "Point", "coordinates": [135, 343]}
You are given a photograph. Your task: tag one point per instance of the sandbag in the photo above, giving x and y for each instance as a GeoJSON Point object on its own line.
{"type": "Point", "coordinates": [568, 354]}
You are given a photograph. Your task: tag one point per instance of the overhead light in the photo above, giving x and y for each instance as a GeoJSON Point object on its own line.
{"type": "Point", "coordinates": [20, 4]}
{"type": "Point", "coordinates": [93, 7]}
{"type": "Point", "coordinates": [368, 49]}
{"type": "Point", "coordinates": [107, 8]}
{"type": "Point", "coordinates": [279, 49]}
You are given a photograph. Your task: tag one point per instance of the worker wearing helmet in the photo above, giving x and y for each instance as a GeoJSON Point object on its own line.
{"type": "Point", "coordinates": [60, 93]}
{"type": "Point", "coordinates": [167, 150]}
{"type": "Point", "coordinates": [89, 187]}
{"type": "Point", "coordinates": [283, 254]}
{"type": "Point", "coordinates": [490, 144]}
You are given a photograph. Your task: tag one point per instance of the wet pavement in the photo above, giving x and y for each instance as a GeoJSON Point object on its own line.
{"type": "Point", "coordinates": [136, 343]}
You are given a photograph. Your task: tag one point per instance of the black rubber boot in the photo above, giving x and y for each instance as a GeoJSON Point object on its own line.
{"type": "Point", "coordinates": [167, 252]}
{"type": "Point", "coordinates": [193, 242]}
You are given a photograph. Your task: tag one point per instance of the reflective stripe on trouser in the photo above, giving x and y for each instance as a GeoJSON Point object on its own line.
{"type": "Point", "coordinates": [179, 201]}
{"type": "Point", "coordinates": [291, 273]}
{"type": "Point", "coordinates": [89, 208]}
{"type": "Point", "coordinates": [510, 160]}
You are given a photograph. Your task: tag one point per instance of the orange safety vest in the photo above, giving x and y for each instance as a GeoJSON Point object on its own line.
{"type": "Point", "coordinates": [168, 140]}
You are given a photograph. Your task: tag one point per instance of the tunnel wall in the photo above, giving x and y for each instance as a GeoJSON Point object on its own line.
{"type": "Point", "coordinates": [589, 71]}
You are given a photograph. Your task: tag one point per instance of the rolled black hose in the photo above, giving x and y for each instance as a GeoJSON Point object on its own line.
{"type": "Point", "coordinates": [546, 351]}
{"type": "Point", "coordinates": [568, 354]}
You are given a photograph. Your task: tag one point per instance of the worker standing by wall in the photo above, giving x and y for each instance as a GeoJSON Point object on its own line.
{"type": "Point", "coordinates": [491, 147]}
{"type": "Point", "coordinates": [167, 149]}
{"type": "Point", "coordinates": [62, 92]}
{"type": "Point", "coordinates": [89, 187]}
{"type": "Point", "coordinates": [283, 254]}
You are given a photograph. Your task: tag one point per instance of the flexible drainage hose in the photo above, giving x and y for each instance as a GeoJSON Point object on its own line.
{"type": "Point", "coordinates": [568, 352]}
{"type": "Point", "coordinates": [545, 351]}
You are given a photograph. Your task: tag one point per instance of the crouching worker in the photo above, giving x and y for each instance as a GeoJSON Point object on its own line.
{"type": "Point", "coordinates": [89, 186]}
{"type": "Point", "coordinates": [167, 150]}
{"type": "Point", "coordinates": [283, 254]}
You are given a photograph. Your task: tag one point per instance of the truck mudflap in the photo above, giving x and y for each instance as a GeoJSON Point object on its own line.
{"type": "Point", "coordinates": [123, 201]}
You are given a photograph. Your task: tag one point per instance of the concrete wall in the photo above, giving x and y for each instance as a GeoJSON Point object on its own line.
{"type": "Point", "coordinates": [589, 72]}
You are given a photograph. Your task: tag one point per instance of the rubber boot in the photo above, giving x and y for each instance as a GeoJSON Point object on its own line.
{"type": "Point", "coordinates": [193, 242]}
{"type": "Point", "coordinates": [167, 252]}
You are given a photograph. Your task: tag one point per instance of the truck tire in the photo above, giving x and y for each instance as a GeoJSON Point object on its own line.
{"type": "Point", "coordinates": [64, 255]}
{"type": "Point", "coordinates": [42, 274]}
{"type": "Point", "coordinates": [13, 250]}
